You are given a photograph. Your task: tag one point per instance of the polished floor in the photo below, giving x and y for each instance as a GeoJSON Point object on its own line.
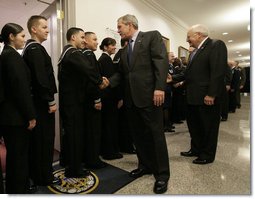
{"type": "Point", "coordinates": [229, 174]}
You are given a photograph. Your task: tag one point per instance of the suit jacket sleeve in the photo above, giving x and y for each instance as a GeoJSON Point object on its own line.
{"type": "Point", "coordinates": [159, 61]}
{"type": "Point", "coordinates": [218, 62]}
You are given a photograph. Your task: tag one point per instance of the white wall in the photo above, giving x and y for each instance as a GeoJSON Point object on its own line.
{"type": "Point", "coordinates": [98, 15]}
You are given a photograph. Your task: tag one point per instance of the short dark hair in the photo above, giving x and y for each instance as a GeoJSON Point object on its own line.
{"type": "Point", "coordinates": [89, 33]}
{"type": "Point", "coordinates": [33, 20]}
{"type": "Point", "coordinates": [106, 42]}
{"type": "Point", "coordinates": [72, 31]}
{"type": "Point", "coordinates": [9, 28]}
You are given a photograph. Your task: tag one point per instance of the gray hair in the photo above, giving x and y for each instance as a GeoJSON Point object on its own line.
{"type": "Point", "coordinates": [201, 29]}
{"type": "Point", "coordinates": [126, 19]}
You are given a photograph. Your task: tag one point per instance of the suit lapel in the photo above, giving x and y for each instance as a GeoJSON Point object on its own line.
{"type": "Point", "coordinates": [199, 51]}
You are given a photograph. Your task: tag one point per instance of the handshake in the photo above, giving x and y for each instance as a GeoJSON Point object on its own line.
{"type": "Point", "coordinates": [105, 83]}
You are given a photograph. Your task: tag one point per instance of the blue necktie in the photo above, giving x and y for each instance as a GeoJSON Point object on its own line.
{"type": "Point", "coordinates": [130, 50]}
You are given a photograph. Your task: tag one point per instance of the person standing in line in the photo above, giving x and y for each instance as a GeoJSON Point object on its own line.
{"type": "Point", "coordinates": [110, 149]}
{"type": "Point", "coordinates": [178, 94]}
{"type": "Point", "coordinates": [168, 103]}
{"type": "Point", "coordinates": [204, 77]}
{"type": "Point", "coordinates": [43, 90]}
{"type": "Point", "coordinates": [93, 106]}
{"type": "Point", "coordinates": [1, 135]}
{"type": "Point", "coordinates": [242, 83]}
{"type": "Point", "coordinates": [17, 112]}
{"type": "Point", "coordinates": [74, 73]}
{"type": "Point", "coordinates": [234, 86]}
{"type": "Point", "coordinates": [144, 66]}
{"type": "Point", "coordinates": [225, 97]}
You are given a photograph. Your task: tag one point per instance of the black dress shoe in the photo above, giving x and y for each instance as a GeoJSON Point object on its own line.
{"type": "Point", "coordinates": [137, 173]}
{"type": "Point", "coordinates": [82, 174]}
{"type": "Point", "coordinates": [179, 122]}
{"type": "Point", "coordinates": [169, 130]}
{"type": "Point", "coordinates": [32, 188]}
{"type": "Point", "coordinates": [188, 153]}
{"type": "Point", "coordinates": [160, 186]}
{"type": "Point", "coordinates": [223, 119]}
{"type": "Point", "coordinates": [201, 161]}
{"type": "Point", "coordinates": [130, 151]}
{"type": "Point", "coordinates": [98, 165]}
{"type": "Point", "coordinates": [112, 156]}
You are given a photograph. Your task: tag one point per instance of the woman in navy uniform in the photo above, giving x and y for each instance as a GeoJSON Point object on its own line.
{"type": "Point", "coordinates": [110, 98]}
{"type": "Point", "coordinates": [17, 115]}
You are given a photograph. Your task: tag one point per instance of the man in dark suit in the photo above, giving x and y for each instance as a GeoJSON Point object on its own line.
{"type": "Point", "coordinates": [144, 66]}
{"type": "Point", "coordinates": [234, 86]}
{"type": "Point", "coordinates": [205, 85]}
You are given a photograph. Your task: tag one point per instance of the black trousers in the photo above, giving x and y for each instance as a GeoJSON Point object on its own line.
{"type": "Point", "coordinates": [92, 136]}
{"type": "Point", "coordinates": [232, 101]}
{"type": "Point", "coordinates": [110, 131]}
{"type": "Point", "coordinates": [225, 105]}
{"type": "Point", "coordinates": [125, 139]}
{"type": "Point", "coordinates": [73, 124]}
{"type": "Point", "coordinates": [17, 144]}
{"type": "Point", "coordinates": [42, 146]}
{"type": "Point", "coordinates": [203, 123]}
{"type": "Point", "coordinates": [146, 125]}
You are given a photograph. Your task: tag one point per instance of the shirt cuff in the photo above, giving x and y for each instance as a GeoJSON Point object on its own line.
{"type": "Point", "coordinates": [97, 101]}
{"type": "Point", "coordinates": [52, 103]}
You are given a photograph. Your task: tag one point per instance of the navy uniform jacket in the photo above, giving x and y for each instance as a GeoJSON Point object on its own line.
{"type": "Point", "coordinates": [1, 83]}
{"type": "Point", "coordinates": [108, 69]}
{"type": "Point", "coordinates": [92, 90]}
{"type": "Point", "coordinates": [39, 62]}
{"type": "Point", "coordinates": [74, 73]}
{"type": "Point", "coordinates": [17, 108]}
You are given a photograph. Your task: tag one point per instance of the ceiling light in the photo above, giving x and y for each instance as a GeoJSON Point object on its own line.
{"type": "Point", "coordinates": [225, 33]}
{"type": "Point", "coordinates": [230, 41]}
{"type": "Point", "coordinates": [237, 51]}
{"type": "Point", "coordinates": [239, 55]}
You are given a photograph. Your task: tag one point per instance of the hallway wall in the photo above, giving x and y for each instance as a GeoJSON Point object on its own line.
{"type": "Point", "coordinates": [101, 17]}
